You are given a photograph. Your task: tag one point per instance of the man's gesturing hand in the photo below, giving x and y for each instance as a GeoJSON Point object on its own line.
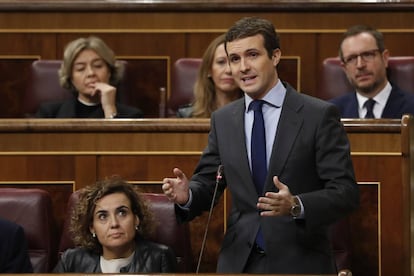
{"type": "Point", "coordinates": [276, 204]}
{"type": "Point", "coordinates": [176, 189]}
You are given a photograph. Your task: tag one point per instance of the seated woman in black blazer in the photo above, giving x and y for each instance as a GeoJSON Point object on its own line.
{"type": "Point", "coordinates": [90, 70]}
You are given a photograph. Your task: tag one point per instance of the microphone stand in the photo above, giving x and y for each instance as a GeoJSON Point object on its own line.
{"type": "Point", "coordinates": [218, 178]}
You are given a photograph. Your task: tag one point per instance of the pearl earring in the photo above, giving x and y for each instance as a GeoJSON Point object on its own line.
{"type": "Point", "coordinates": [94, 235]}
{"type": "Point", "coordinates": [137, 227]}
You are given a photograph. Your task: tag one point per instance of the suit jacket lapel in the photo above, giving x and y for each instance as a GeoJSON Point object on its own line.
{"type": "Point", "coordinates": [240, 142]}
{"type": "Point", "coordinates": [394, 104]}
{"type": "Point", "coordinates": [67, 109]}
{"type": "Point", "coordinates": [351, 110]}
{"type": "Point", "coordinates": [290, 123]}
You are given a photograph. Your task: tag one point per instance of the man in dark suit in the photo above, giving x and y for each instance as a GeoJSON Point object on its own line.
{"type": "Point", "coordinates": [14, 256]}
{"type": "Point", "coordinates": [309, 181]}
{"type": "Point", "coordinates": [365, 60]}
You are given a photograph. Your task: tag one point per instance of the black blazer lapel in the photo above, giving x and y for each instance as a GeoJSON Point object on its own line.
{"type": "Point", "coordinates": [67, 109]}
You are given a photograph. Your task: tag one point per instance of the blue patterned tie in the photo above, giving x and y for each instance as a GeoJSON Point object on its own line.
{"type": "Point", "coordinates": [369, 105]}
{"type": "Point", "coordinates": [258, 155]}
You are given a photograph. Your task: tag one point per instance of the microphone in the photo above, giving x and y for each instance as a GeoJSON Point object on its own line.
{"type": "Point", "coordinates": [219, 176]}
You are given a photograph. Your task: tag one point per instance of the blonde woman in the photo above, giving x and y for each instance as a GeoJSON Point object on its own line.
{"type": "Point", "coordinates": [215, 86]}
{"type": "Point", "coordinates": [91, 72]}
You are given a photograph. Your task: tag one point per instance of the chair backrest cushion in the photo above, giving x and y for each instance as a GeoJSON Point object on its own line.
{"type": "Point", "coordinates": [184, 76]}
{"type": "Point", "coordinates": [334, 82]}
{"type": "Point", "coordinates": [32, 209]}
{"type": "Point", "coordinates": [167, 231]}
{"type": "Point", "coordinates": [43, 86]}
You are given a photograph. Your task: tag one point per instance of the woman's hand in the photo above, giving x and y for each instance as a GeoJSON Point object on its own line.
{"type": "Point", "coordinates": [108, 98]}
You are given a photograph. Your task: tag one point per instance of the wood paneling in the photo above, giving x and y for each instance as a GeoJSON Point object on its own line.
{"type": "Point", "coordinates": [365, 229]}
{"type": "Point", "coordinates": [12, 85]}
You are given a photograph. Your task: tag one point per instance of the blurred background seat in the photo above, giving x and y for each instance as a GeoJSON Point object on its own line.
{"type": "Point", "coordinates": [184, 75]}
{"type": "Point", "coordinates": [334, 82]}
{"type": "Point", "coordinates": [167, 231]}
{"type": "Point", "coordinates": [43, 86]}
{"type": "Point", "coordinates": [32, 209]}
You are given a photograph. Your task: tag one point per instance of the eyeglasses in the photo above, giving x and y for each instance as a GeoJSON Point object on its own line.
{"type": "Point", "coordinates": [366, 56]}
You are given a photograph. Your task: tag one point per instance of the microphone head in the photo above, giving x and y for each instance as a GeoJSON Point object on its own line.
{"type": "Point", "coordinates": [220, 171]}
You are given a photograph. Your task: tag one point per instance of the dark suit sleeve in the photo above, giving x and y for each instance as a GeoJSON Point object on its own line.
{"type": "Point", "coordinates": [334, 166]}
{"type": "Point", "coordinates": [202, 183]}
{"type": "Point", "coordinates": [16, 258]}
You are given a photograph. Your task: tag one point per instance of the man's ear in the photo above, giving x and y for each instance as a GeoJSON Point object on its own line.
{"type": "Point", "coordinates": [276, 55]}
{"type": "Point", "coordinates": [385, 56]}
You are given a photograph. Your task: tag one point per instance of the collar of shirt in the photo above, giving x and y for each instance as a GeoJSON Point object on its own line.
{"type": "Point", "coordinates": [115, 265]}
{"type": "Point", "coordinates": [86, 103]}
{"type": "Point", "coordinates": [274, 97]}
{"type": "Point", "coordinates": [381, 100]}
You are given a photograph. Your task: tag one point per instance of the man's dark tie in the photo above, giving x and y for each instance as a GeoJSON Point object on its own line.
{"type": "Point", "coordinates": [258, 155]}
{"type": "Point", "coordinates": [369, 105]}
